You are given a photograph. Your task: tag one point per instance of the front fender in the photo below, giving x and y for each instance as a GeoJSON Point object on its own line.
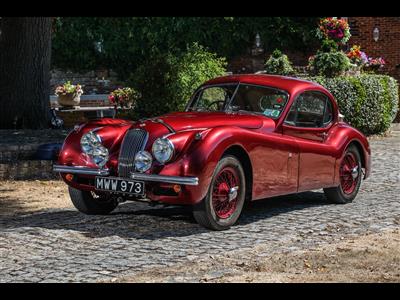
{"type": "Point", "coordinates": [200, 155]}
{"type": "Point", "coordinates": [111, 132]}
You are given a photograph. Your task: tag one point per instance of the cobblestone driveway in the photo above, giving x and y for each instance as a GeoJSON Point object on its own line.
{"type": "Point", "coordinates": [64, 245]}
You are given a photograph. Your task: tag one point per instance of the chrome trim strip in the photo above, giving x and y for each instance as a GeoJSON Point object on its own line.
{"type": "Point", "coordinates": [165, 178]}
{"type": "Point", "coordinates": [80, 170]}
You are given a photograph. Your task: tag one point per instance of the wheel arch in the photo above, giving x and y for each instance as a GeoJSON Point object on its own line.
{"type": "Point", "coordinates": [360, 149]}
{"type": "Point", "coordinates": [241, 154]}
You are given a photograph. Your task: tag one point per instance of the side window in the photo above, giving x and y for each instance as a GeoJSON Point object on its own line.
{"type": "Point", "coordinates": [260, 99]}
{"type": "Point", "coordinates": [311, 109]}
{"type": "Point", "coordinates": [328, 116]}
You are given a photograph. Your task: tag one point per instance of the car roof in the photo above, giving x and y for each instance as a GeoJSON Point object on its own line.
{"type": "Point", "coordinates": [289, 84]}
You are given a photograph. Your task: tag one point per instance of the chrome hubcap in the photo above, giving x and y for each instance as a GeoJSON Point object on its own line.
{"type": "Point", "coordinates": [232, 194]}
{"type": "Point", "coordinates": [354, 172]}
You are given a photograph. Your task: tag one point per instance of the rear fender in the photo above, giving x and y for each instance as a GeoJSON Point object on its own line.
{"type": "Point", "coordinates": [343, 136]}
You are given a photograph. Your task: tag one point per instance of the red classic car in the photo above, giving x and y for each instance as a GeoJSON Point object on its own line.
{"type": "Point", "coordinates": [240, 138]}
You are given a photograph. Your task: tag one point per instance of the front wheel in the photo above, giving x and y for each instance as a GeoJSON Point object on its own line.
{"type": "Point", "coordinates": [90, 203]}
{"type": "Point", "coordinates": [222, 206]}
{"type": "Point", "coordinates": [350, 178]}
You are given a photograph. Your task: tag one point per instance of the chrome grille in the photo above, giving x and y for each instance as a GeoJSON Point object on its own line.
{"type": "Point", "coordinates": [134, 141]}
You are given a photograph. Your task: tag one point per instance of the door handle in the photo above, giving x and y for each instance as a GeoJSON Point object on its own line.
{"type": "Point", "coordinates": [323, 135]}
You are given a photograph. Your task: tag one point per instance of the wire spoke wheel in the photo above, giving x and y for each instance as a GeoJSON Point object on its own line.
{"type": "Point", "coordinates": [224, 194]}
{"type": "Point", "coordinates": [349, 173]}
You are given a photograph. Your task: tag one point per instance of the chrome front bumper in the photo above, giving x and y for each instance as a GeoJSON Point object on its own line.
{"type": "Point", "coordinates": [135, 176]}
{"type": "Point", "coordinates": [80, 170]}
{"type": "Point", "coordinates": [166, 179]}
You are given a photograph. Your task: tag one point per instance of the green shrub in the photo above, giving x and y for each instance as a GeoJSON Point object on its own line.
{"type": "Point", "coordinates": [368, 102]}
{"type": "Point", "coordinates": [166, 82]}
{"type": "Point", "coordinates": [329, 46]}
{"type": "Point", "coordinates": [279, 64]}
{"type": "Point", "coordinates": [329, 64]}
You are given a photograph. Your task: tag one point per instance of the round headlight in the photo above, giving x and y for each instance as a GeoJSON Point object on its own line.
{"type": "Point", "coordinates": [91, 145]}
{"type": "Point", "coordinates": [143, 161]}
{"type": "Point", "coordinates": [100, 156]}
{"type": "Point", "coordinates": [89, 142]}
{"type": "Point", "coordinates": [163, 150]}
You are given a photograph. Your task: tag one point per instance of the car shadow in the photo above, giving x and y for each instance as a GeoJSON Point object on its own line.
{"type": "Point", "coordinates": [140, 221]}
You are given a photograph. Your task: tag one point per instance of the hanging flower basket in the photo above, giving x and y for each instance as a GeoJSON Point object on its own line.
{"type": "Point", "coordinates": [334, 29]}
{"type": "Point", "coordinates": [69, 95]}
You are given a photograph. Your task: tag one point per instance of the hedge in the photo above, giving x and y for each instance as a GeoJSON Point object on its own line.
{"type": "Point", "coordinates": [369, 102]}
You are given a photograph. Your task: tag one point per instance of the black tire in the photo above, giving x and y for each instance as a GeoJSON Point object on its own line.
{"type": "Point", "coordinates": [336, 194]}
{"type": "Point", "coordinates": [204, 213]}
{"type": "Point", "coordinates": [88, 203]}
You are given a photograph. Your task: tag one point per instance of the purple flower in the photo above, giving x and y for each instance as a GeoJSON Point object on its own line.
{"type": "Point", "coordinates": [364, 57]}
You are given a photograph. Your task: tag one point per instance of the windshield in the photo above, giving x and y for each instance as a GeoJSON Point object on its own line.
{"type": "Point", "coordinates": [263, 100]}
{"type": "Point", "coordinates": [212, 98]}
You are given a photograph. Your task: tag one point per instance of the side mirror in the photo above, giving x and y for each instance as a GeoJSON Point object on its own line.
{"type": "Point", "coordinates": [341, 117]}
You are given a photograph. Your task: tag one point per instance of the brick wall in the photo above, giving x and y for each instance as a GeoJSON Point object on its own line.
{"type": "Point", "coordinates": [93, 82]}
{"type": "Point", "coordinates": [254, 63]}
{"type": "Point", "coordinates": [388, 45]}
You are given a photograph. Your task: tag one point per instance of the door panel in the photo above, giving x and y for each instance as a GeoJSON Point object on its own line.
{"type": "Point", "coordinates": [309, 121]}
{"type": "Point", "coordinates": [316, 162]}
{"type": "Point", "coordinates": [275, 166]}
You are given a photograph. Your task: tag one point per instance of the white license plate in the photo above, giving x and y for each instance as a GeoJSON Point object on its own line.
{"type": "Point", "coordinates": [118, 185]}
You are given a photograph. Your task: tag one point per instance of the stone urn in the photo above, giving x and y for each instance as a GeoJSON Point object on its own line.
{"type": "Point", "coordinates": [69, 100]}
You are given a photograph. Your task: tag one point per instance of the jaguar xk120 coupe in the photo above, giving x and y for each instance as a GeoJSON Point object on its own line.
{"type": "Point", "coordinates": [241, 138]}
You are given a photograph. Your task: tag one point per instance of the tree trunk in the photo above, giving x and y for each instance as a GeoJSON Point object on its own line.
{"type": "Point", "coordinates": [25, 49]}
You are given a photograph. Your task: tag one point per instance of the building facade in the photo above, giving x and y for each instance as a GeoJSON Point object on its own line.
{"type": "Point", "coordinates": [378, 36]}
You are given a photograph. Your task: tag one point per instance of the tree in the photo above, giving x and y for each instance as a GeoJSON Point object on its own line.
{"type": "Point", "coordinates": [25, 52]}
{"type": "Point", "coordinates": [124, 43]}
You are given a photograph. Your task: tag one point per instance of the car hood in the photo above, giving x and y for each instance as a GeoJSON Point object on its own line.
{"type": "Point", "coordinates": [190, 120]}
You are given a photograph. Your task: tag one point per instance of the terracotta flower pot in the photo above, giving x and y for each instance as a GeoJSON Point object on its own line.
{"type": "Point", "coordinates": [69, 100]}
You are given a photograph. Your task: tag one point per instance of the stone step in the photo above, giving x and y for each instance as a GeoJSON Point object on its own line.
{"type": "Point", "coordinates": [27, 169]}
{"type": "Point", "coordinates": [17, 152]}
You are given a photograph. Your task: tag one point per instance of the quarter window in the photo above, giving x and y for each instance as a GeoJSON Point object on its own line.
{"type": "Point", "coordinates": [311, 109]}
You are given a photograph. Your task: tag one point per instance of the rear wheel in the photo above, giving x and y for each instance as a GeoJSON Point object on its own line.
{"type": "Point", "coordinates": [222, 206]}
{"type": "Point", "coordinates": [91, 203]}
{"type": "Point", "coordinates": [350, 178]}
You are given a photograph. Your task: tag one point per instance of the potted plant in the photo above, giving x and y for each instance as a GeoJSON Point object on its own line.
{"type": "Point", "coordinates": [358, 59]}
{"type": "Point", "coordinates": [69, 94]}
{"type": "Point", "coordinates": [357, 56]}
{"type": "Point", "coordinates": [375, 64]}
{"type": "Point", "coordinates": [124, 97]}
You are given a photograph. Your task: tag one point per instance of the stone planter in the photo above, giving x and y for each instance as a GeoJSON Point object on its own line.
{"type": "Point", "coordinates": [69, 100]}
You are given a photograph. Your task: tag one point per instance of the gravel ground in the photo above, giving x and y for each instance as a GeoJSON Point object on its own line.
{"type": "Point", "coordinates": [44, 239]}
{"type": "Point", "coordinates": [365, 258]}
